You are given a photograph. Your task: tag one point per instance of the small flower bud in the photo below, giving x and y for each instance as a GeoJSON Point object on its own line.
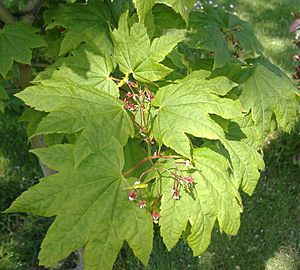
{"type": "Point", "coordinates": [142, 204]}
{"type": "Point", "coordinates": [132, 195]}
{"type": "Point", "coordinates": [155, 216]}
{"type": "Point", "coordinates": [176, 195]}
{"type": "Point", "coordinates": [189, 180]}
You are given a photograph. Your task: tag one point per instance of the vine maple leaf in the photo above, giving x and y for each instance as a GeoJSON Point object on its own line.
{"type": "Point", "coordinates": [143, 7]}
{"type": "Point", "coordinates": [16, 42]}
{"type": "Point", "coordinates": [91, 210]}
{"type": "Point", "coordinates": [73, 108]}
{"type": "Point", "coordinates": [214, 29]}
{"type": "Point", "coordinates": [214, 198]}
{"type": "Point", "coordinates": [186, 108]}
{"type": "Point", "coordinates": [84, 23]}
{"type": "Point", "coordinates": [137, 55]}
{"type": "Point", "coordinates": [243, 146]}
{"type": "Point", "coordinates": [262, 95]}
{"type": "Point", "coordinates": [84, 68]}
{"type": "Point", "coordinates": [183, 7]}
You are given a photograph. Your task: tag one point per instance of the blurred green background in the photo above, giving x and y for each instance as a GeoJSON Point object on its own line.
{"type": "Point", "coordinates": [269, 237]}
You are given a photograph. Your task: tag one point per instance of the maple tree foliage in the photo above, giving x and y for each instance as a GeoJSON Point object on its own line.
{"type": "Point", "coordinates": [154, 114]}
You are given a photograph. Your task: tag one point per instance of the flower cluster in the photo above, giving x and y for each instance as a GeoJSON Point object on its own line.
{"type": "Point", "coordinates": [136, 97]}
{"type": "Point", "coordinates": [185, 182]}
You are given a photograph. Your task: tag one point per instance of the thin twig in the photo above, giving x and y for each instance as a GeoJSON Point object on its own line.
{"type": "Point", "coordinates": [145, 160]}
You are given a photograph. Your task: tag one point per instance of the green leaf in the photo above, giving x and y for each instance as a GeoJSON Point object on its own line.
{"type": "Point", "coordinates": [217, 31]}
{"type": "Point", "coordinates": [84, 23]}
{"type": "Point", "coordinates": [136, 54]}
{"type": "Point", "coordinates": [242, 143]}
{"type": "Point", "coordinates": [165, 18]}
{"type": "Point", "coordinates": [266, 93]}
{"type": "Point", "coordinates": [215, 197]}
{"type": "Point", "coordinates": [143, 7]}
{"type": "Point", "coordinates": [134, 153]}
{"type": "Point", "coordinates": [185, 108]}
{"type": "Point", "coordinates": [3, 93]}
{"type": "Point", "coordinates": [92, 210]}
{"type": "Point", "coordinates": [183, 7]}
{"type": "Point", "coordinates": [33, 118]}
{"type": "Point", "coordinates": [75, 108]}
{"type": "Point", "coordinates": [16, 42]}
{"type": "Point", "coordinates": [84, 68]}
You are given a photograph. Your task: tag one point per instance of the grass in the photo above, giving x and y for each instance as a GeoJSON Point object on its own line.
{"type": "Point", "coordinates": [269, 237]}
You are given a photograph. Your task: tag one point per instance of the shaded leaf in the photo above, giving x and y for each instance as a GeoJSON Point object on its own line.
{"type": "Point", "coordinates": [183, 7]}
{"type": "Point", "coordinates": [16, 42]}
{"type": "Point", "coordinates": [84, 23]}
{"type": "Point", "coordinates": [266, 93]}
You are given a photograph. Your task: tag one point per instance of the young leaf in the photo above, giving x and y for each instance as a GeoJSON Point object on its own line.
{"type": "Point", "coordinates": [186, 108]}
{"type": "Point", "coordinates": [215, 197]}
{"type": "Point", "coordinates": [84, 68]}
{"type": "Point", "coordinates": [266, 93]}
{"type": "Point", "coordinates": [135, 54]}
{"type": "Point", "coordinates": [92, 210]}
{"type": "Point", "coordinates": [76, 108]}
{"type": "Point", "coordinates": [16, 42]}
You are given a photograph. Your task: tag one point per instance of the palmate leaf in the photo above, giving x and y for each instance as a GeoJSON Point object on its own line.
{"type": "Point", "coordinates": [213, 29]}
{"type": "Point", "coordinates": [137, 55]}
{"type": "Point", "coordinates": [143, 7]}
{"type": "Point", "coordinates": [84, 23]}
{"type": "Point", "coordinates": [183, 7]}
{"type": "Point", "coordinates": [185, 108]}
{"type": "Point", "coordinates": [266, 93]}
{"type": "Point", "coordinates": [243, 144]}
{"type": "Point", "coordinates": [215, 198]}
{"type": "Point", "coordinates": [85, 68]}
{"type": "Point", "coordinates": [75, 108]}
{"type": "Point", "coordinates": [16, 42]}
{"type": "Point", "coordinates": [91, 208]}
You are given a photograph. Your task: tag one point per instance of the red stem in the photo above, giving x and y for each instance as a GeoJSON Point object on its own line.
{"type": "Point", "coordinates": [145, 160]}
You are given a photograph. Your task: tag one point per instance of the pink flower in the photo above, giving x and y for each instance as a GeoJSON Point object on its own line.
{"type": "Point", "coordinates": [132, 195]}
{"type": "Point", "coordinates": [155, 216]}
{"type": "Point", "coordinates": [142, 204]}
{"type": "Point", "coordinates": [189, 180]}
{"type": "Point", "coordinates": [128, 105]}
{"type": "Point", "coordinates": [129, 94]}
{"type": "Point", "coordinates": [176, 195]}
{"type": "Point", "coordinates": [149, 96]}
